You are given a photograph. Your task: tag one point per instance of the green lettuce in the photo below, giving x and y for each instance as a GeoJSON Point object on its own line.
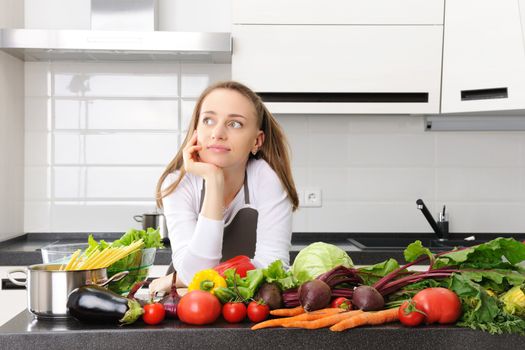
{"type": "Point", "coordinates": [318, 258]}
{"type": "Point", "coordinates": [514, 301]}
{"type": "Point", "coordinates": [275, 273]}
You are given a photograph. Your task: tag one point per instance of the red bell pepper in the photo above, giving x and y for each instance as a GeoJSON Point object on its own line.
{"type": "Point", "coordinates": [240, 263]}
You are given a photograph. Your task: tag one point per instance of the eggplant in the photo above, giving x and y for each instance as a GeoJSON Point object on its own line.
{"type": "Point", "coordinates": [97, 304]}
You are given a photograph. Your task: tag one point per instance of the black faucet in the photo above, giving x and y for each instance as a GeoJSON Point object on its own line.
{"type": "Point", "coordinates": [441, 227]}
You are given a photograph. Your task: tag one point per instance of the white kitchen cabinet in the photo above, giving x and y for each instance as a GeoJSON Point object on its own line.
{"type": "Point", "coordinates": [338, 12]}
{"type": "Point", "coordinates": [335, 59]}
{"type": "Point", "coordinates": [12, 301]}
{"type": "Point", "coordinates": [483, 56]}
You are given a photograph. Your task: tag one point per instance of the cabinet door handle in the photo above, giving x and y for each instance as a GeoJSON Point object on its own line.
{"type": "Point", "coordinates": [345, 97]}
{"type": "Point", "coordinates": [484, 94]}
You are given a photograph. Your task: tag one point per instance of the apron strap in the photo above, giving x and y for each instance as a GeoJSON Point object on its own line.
{"type": "Point", "coordinates": [246, 191]}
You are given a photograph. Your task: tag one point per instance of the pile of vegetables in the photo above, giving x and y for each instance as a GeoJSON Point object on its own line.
{"type": "Point", "coordinates": [480, 287]}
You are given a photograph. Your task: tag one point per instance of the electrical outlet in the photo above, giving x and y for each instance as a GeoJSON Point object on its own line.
{"type": "Point", "coordinates": [312, 197]}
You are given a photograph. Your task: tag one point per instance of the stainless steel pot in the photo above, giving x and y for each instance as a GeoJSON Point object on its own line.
{"type": "Point", "coordinates": [48, 288]}
{"type": "Point", "coordinates": [156, 221]}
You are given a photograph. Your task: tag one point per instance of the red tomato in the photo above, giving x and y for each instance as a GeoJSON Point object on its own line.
{"type": "Point", "coordinates": [234, 312]}
{"type": "Point", "coordinates": [199, 307]}
{"type": "Point", "coordinates": [408, 316]}
{"type": "Point", "coordinates": [342, 303]}
{"type": "Point", "coordinates": [257, 311]}
{"type": "Point", "coordinates": [153, 313]}
{"type": "Point", "coordinates": [439, 304]}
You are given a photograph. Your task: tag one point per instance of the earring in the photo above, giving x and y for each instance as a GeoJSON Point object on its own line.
{"type": "Point", "coordinates": [254, 152]}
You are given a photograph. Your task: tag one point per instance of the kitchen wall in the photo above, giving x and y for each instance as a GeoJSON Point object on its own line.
{"type": "Point", "coordinates": [97, 139]}
{"type": "Point", "coordinates": [11, 129]}
{"type": "Point", "coordinates": [99, 135]}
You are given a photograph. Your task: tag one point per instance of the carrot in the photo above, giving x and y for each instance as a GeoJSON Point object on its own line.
{"type": "Point", "coordinates": [325, 321]}
{"type": "Point", "coordinates": [288, 312]}
{"type": "Point", "coordinates": [367, 318]}
{"type": "Point", "coordinates": [309, 316]}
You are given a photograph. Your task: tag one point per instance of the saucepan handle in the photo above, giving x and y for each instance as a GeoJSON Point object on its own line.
{"type": "Point", "coordinates": [114, 278]}
{"type": "Point", "coordinates": [16, 282]}
{"type": "Point", "coordinates": [138, 218]}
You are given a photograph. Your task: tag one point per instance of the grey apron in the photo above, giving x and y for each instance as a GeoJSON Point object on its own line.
{"type": "Point", "coordinates": [240, 235]}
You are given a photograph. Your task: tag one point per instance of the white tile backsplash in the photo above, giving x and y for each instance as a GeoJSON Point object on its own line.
{"type": "Point", "coordinates": [479, 149]}
{"type": "Point", "coordinates": [99, 135]}
{"type": "Point", "coordinates": [120, 148]}
{"type": "Point", "coordinates": [133, 114]}
{"type": "Point", "coordinates": [197, 77]}
{"type": "Point", "coordinates": [479, 184]}
{"type": "Point", "coordinates": [385, 149]}
{"type": "Point", "coordinates": [486, 216]}
{"type": "Point", "coordinates": [97, 144]}
{"type": "Point", "coordinates": [186, 113]}
{"type": "Point", "coordinates": [122, 182]}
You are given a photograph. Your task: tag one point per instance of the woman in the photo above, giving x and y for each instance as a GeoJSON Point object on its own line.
{"type": "Point", "coordinates": [229, 190]}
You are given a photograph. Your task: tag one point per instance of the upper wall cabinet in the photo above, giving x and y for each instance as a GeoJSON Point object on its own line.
{"type": "Point", "coordinates": [338, 12]}
{"type": "Point", "coordinates": [340, 56]}
{"type": "Point", "coordinates": [483, 56]}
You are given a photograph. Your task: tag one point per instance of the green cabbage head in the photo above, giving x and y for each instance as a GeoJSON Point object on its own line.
{"type": "Point", "coordinates": [318, 258]}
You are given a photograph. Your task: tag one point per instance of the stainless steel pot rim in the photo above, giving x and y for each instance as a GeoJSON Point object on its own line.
{"type": "Point", "coordinates": [55, 268]}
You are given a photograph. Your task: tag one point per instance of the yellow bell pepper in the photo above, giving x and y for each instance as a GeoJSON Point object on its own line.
{"type": "Point", "coordinates": [207, 280]}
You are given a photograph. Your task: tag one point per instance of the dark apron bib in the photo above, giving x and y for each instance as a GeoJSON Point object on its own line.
{"type": "Point", "coordinates": [240, 235]}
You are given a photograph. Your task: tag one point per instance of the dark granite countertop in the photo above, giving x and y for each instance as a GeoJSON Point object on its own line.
{"type": "Point", "coordinates": [25, 250]}
{"type": "Point", "coordinates": [26, 332]}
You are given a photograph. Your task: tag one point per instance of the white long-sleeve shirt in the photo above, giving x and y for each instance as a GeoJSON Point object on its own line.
{"type": "Point", "coordinates": [196, 241]}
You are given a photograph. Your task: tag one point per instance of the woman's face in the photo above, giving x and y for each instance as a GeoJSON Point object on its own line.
{"type": "Point", "coordinates": [227, 129]}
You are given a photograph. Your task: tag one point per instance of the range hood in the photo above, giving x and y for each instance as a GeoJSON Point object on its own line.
{"type": "Point", "coordinates": [121, 31]}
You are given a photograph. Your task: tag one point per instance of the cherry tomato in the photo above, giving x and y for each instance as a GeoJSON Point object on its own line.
{"type": "Point", "coordinates": [409, 315]}
{"type": "Point", "coordinates": [153, 313]}
{"type": "Point", "coordinates": [342, 303]}
{"type": "Point", "coordinates": [441, 305]}
{"type": "Point", "coordinates": [258, 311]}
{"type": "Point", "coordinates": [234, 312]}
{"type": "Point", "coordinates": [199, 307]}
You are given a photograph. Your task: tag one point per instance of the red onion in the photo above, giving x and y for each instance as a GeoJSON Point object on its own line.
{"type": "Point", "coordinates": [171, 300]}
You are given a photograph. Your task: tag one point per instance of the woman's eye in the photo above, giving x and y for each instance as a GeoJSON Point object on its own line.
{"type": "Point", "coordinates": [235, 124]}
{"type": "Point", "coordinates": [207, 121]}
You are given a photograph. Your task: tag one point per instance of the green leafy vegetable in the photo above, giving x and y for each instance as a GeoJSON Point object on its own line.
{"type": "Point", "coordinates": [483, 311]}
{"type": "Point", "coordinates": [514, 301]}
{"type": "Point", "coordinates": [275, 273]}
{"type": "Point", "coordinates": [246, 286]}
{"type": "Point", "coordinates": [371, 274]}
{"type": "Point", "coordinates": [137, 263]}
{"type": "Point", "coordinates": [487, 255]}
{"type": "Point", "coordinates": [496, 280]}
{"type": "Point", "coordinates": [151, 238]}
{"type": "Point", "coordinates": [477, 274]}
{"type": "Point", "coordinates": [318, 258]}
{"type": "Point", "coordinates": [415, 250]}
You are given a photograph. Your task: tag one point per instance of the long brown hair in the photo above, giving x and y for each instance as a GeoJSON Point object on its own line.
{"type": "Point", "coordinates": [274, 150]}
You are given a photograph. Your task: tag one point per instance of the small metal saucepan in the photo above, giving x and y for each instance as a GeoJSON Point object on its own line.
{"type": "Point", "coordinates": [48, 288]}
{"type": "Point", "coordinates": [156, 221]}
